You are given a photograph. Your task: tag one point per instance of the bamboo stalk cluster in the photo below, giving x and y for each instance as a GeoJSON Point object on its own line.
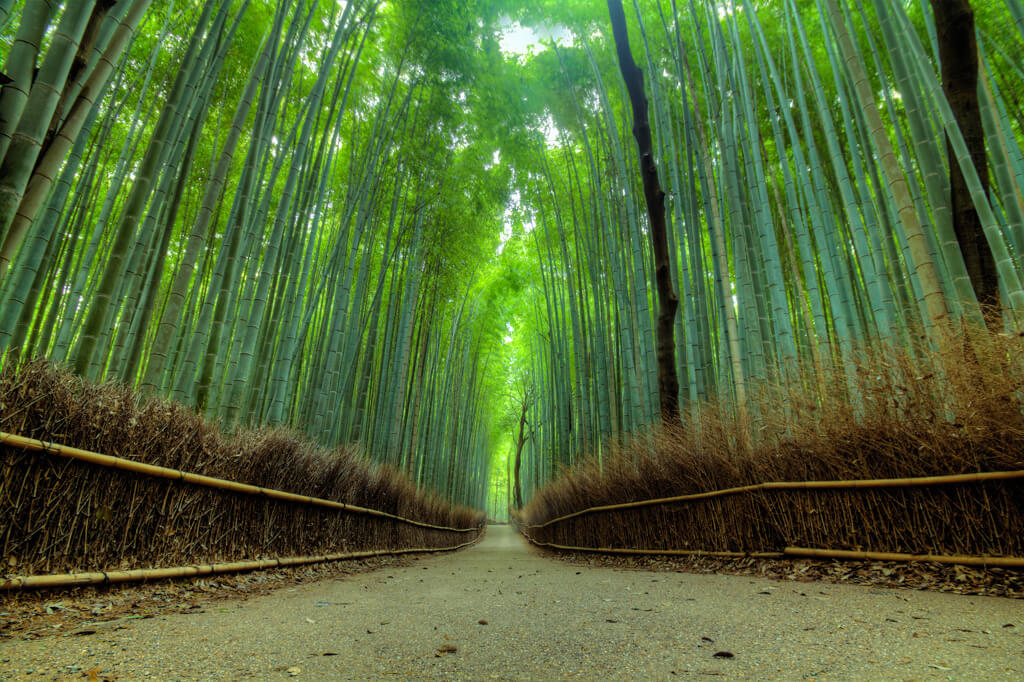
{"type": "Point", "coordinates": [803, 150]}
{"type": "Point", "coordinates": [225, 203]}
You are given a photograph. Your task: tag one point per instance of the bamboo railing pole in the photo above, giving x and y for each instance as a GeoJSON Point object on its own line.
{"type": "Point", "coordinates": [986, 561]}
{"type": "Point", "coordinates": [207, 481]}
{"type": "Point", "coordinates": [668, 552]}
{"type": "Point", "coordinates": [140, 574]}
{"type": "Point", "coordinates": [798, 485]}
{"type": "Point", "coordinates": [994, 561]}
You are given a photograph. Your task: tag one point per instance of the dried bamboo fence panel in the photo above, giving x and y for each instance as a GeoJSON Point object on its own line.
{"type": "Point", "coordinates": [798, 485]}
{"type": "Point", "coordinates": [207, 481]}
{"type": "Point", "coordinates": [61, 514]}
{"type": "Point", "coordinates": [141, 574]}
{"type": "Point", "coordinates": [975, 519]}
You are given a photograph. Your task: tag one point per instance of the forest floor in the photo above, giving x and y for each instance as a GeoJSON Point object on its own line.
{"type": "Point", "coordinates": [504, 611]}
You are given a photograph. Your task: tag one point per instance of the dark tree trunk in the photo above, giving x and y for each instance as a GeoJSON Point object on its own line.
{"type": "Point", "coordinates": [668, 302]}
{"type": "Point", "coordinates": [958, 52]}
{"type": "Point", "coordinates": [520, 441]}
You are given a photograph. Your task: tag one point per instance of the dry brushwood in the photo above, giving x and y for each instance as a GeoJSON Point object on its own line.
{"type": "Point", "coordinates": [60, 515]}
{"type": "Point", "coordinates": [901, 414]}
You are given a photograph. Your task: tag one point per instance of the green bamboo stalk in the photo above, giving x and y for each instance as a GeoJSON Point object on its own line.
{"type": "Point", "coordinates": [27, 139]}
{"type": "Point", "coordinates": [97, 318]}
{"type": "Point", "coordinates": [19, 66]}
{"type": "Point", "coordinates": [924, 267]}
{"type": "Point", "coordinates": [46, 169]}
{"type": "Point", "coordinates": [1010, 282]}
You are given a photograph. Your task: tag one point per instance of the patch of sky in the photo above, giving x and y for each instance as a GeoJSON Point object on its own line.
{"type": "Point", "coordinates": [515, 214]}
{"type": "Point", "coordinates": [519, 40]}
{"type": "Point", "coordinates": [550, 131]}
{"type": "Point", "coordinates": [726, 9]}
{"type": "Point", "coordinates": [495, 160]}
{"type": "Point", "coordinates": [510, 208]}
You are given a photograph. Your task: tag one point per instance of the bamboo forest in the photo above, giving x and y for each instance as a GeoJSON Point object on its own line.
{"type": "Point", "coordinates": [734, 283]}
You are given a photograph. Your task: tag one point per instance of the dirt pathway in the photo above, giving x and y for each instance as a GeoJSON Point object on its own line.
{"type": "Point", "coordinates": [500, 611]}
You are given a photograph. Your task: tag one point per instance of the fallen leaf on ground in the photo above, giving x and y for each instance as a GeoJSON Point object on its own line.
{"type": "Point", "coordinates": [724, 654]}
{"type": "Point", "coordinates": [446, 649]}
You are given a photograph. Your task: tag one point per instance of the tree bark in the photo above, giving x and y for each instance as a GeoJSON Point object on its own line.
{"type": "Point", "coordinates": [668, 302]}
{"type": "Point", "coordinates": [520, 441]}
{"type": "Point", "coordinates": [958, 54]}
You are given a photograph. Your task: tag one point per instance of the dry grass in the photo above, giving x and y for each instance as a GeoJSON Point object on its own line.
{"type": "Point", "coordinates": [62, 515]}
{"type": "Point", "coordinates": [892, 415]}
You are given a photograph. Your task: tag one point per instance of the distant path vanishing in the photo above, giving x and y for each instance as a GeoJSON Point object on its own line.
{"type": "Point", "coordinates": [500, 611]}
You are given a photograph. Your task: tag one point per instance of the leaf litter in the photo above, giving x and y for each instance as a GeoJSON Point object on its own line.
{"type": "Point", "coordinates": [86, 610]}
{"type": "Point", "coordinates": [993, 582]}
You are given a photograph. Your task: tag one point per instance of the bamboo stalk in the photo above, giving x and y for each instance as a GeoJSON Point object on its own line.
{"type": "Point", "coordinates": [799, 485]}
{"type": "Point", "coordinates": [1001, 561]}
{"type": "Point", "coordinates": [207, 481]}
{"type": "Point", "coordinates": [140, 574]}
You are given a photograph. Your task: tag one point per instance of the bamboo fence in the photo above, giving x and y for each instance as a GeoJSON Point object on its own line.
{"type": "Point", "coordinates": [913, 482]}
{"type": "Point", "coordinates": [629, 531]}
{"type": "Point", "coordinates": [37, 445]}
{"type": "Point", "coordinates": [143, 574]}
{"type": "Point", "coordinates": [983, 561]}
{"type": "Point", "coordinates": [392, 541]}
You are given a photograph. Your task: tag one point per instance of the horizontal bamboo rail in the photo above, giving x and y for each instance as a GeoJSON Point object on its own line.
{"type": "Point", "coordinates": [141, 574]}
{"type": "Point", "coordinates": [797, 485]}
{"type": "Point", "coordinates": [984, 561]}
{"type": "Point", "coordinates": [994, 561]}
{"type": "Point", "coordinates": [36, 445]}
{"type": "Point", "coordinates": [667, 552]}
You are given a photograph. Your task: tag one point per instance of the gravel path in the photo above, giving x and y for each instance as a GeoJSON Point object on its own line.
{"type": "Point", "coordinates": [500, 611]}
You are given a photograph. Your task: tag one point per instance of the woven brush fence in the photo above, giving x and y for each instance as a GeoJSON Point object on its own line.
{"type": "Point", "coordinates": [945, 416]}
{"type": "Point", "coordinates": [955, 513]}
{"type": "Point", "coordinates": [962, 519]}
{"type": "Point", "coordinates": [60, 514]}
